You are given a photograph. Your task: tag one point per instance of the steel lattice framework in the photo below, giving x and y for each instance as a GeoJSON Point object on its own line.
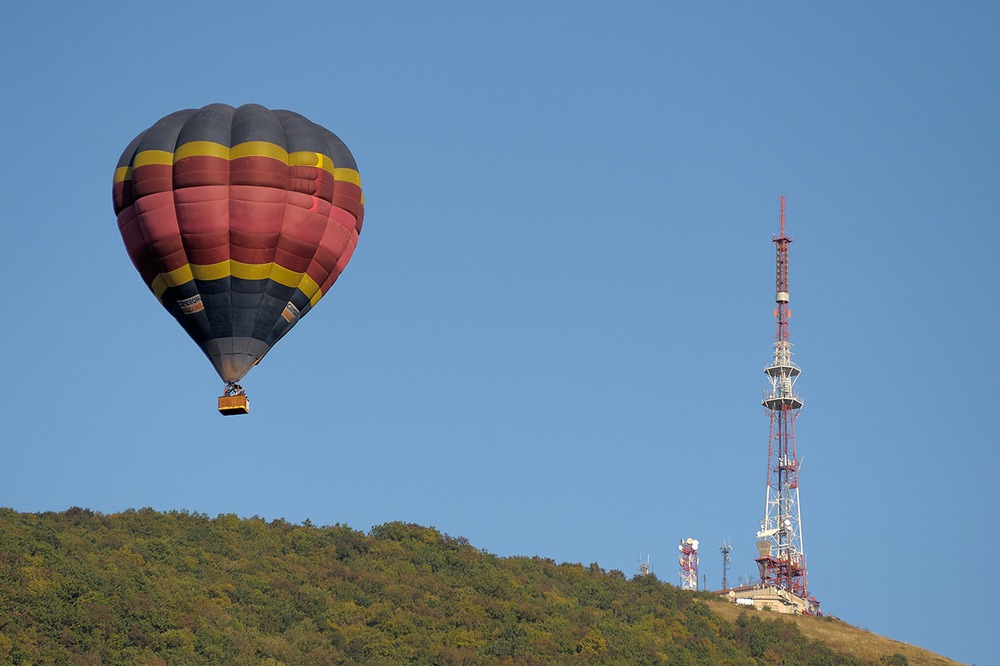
{"type": "Point", "coordinates": [688, 561]}
{"type": "Point", "coordinates": [781, 556]}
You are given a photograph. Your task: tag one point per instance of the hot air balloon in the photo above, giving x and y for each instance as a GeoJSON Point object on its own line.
{"type": "Point", "coordinates": [239, 220]}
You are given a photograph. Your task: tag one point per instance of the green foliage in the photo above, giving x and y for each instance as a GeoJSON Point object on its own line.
{"type": "Point", "coordinates": [143, 587]}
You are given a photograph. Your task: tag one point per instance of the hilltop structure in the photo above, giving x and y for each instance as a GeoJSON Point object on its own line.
{"type": "Point", "coordinates": [688, 561]}
{"type": "Point", "coordinates": [781, 558]}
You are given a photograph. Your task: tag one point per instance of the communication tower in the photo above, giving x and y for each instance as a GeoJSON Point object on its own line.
{"type": "Point", "coordinates": [725, 549]}
{"type": "Point", "coordinates": [644, 567]}
{"type": "Point", "coordinates": [689, 564]}
{"type": "Point", "coordinates": [781, 557]}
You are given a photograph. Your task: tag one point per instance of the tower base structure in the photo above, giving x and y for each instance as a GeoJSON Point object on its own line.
{"type": "Point", "coordinates": [771, 598]}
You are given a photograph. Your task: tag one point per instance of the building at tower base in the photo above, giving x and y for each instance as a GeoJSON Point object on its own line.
{"type": "Point", "coordinates": [771, 599]}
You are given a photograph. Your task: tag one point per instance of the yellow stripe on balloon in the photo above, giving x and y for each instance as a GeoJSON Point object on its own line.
{"type": "Point", "coordinates": [284, 276]}
{"type": "Point", "coordinates": [237, 269]}
{"type": "Point", "coordinates": [309, 287]}
{"type": "Point", "coordinates": [148, 157]}
{"type": "Point", "coordinates": [259, 149]}
{"type": "Point", "coordinates": [245, 149]}
{"type": "Point", "coordinates": [174, 278]}
{"type": "Point", "coordinates": [347, 175]}
{"type": "Point", "coordinates": [309, 158]}
{"type": "Point", "coordinates": [207, 272]}
{"type": "Point", "coordinates": [201, 149]}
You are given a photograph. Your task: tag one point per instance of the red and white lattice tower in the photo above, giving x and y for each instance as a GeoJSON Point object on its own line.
{"type": "Point", "coordinates": [689, 564]}
{"type": "Point", "coordinates": [782, 560]}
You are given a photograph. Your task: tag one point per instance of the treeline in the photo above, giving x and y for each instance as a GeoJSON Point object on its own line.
{"type": "Point", "coordinates": [144, 587]}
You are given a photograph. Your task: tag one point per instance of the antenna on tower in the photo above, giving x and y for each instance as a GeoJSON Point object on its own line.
{"type": "Point", "coordinates": [725, 549]}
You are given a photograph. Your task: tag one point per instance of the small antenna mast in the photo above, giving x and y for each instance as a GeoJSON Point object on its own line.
{"type": "Point", "coordinates": [725, 549]}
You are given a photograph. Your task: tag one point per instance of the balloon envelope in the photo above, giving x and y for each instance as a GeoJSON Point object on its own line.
{"type": "Point", "coordinates": [239, 220]}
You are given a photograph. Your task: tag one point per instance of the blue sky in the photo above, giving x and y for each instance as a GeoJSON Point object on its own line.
{"type": "Point", "coordinates": [552, 335]}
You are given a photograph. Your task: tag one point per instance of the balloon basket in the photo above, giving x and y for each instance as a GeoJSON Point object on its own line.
{"type": "Point", "coordinates": [231, 405]}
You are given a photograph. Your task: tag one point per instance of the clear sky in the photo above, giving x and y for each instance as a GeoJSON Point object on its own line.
{"type": "Point", "coordinates": [552, 335]}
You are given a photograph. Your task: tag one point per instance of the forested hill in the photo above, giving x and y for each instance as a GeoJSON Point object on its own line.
{"type": "Point", "coordinates": [144, 587]}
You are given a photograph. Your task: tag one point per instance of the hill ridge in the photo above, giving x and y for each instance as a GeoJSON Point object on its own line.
{"type": "Point", "coordinates": [150, 587]}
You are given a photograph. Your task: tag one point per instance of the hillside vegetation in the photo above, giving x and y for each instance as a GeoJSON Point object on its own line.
{"type": "Point", "coordinates": [144, 587]}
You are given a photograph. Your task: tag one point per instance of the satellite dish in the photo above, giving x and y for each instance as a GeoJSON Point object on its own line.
{"type": "Point", "coordinates": [681, 547]}
{"type": "Point", "coordinates": [694, 544]}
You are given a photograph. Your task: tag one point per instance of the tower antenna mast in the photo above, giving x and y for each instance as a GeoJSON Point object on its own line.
{"type": "Point", "coordinates": [725, 549]}
{"type": "Point", "coordinates": [688, 561]}
{"type": "Point", "coordinates": [781, 556]}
